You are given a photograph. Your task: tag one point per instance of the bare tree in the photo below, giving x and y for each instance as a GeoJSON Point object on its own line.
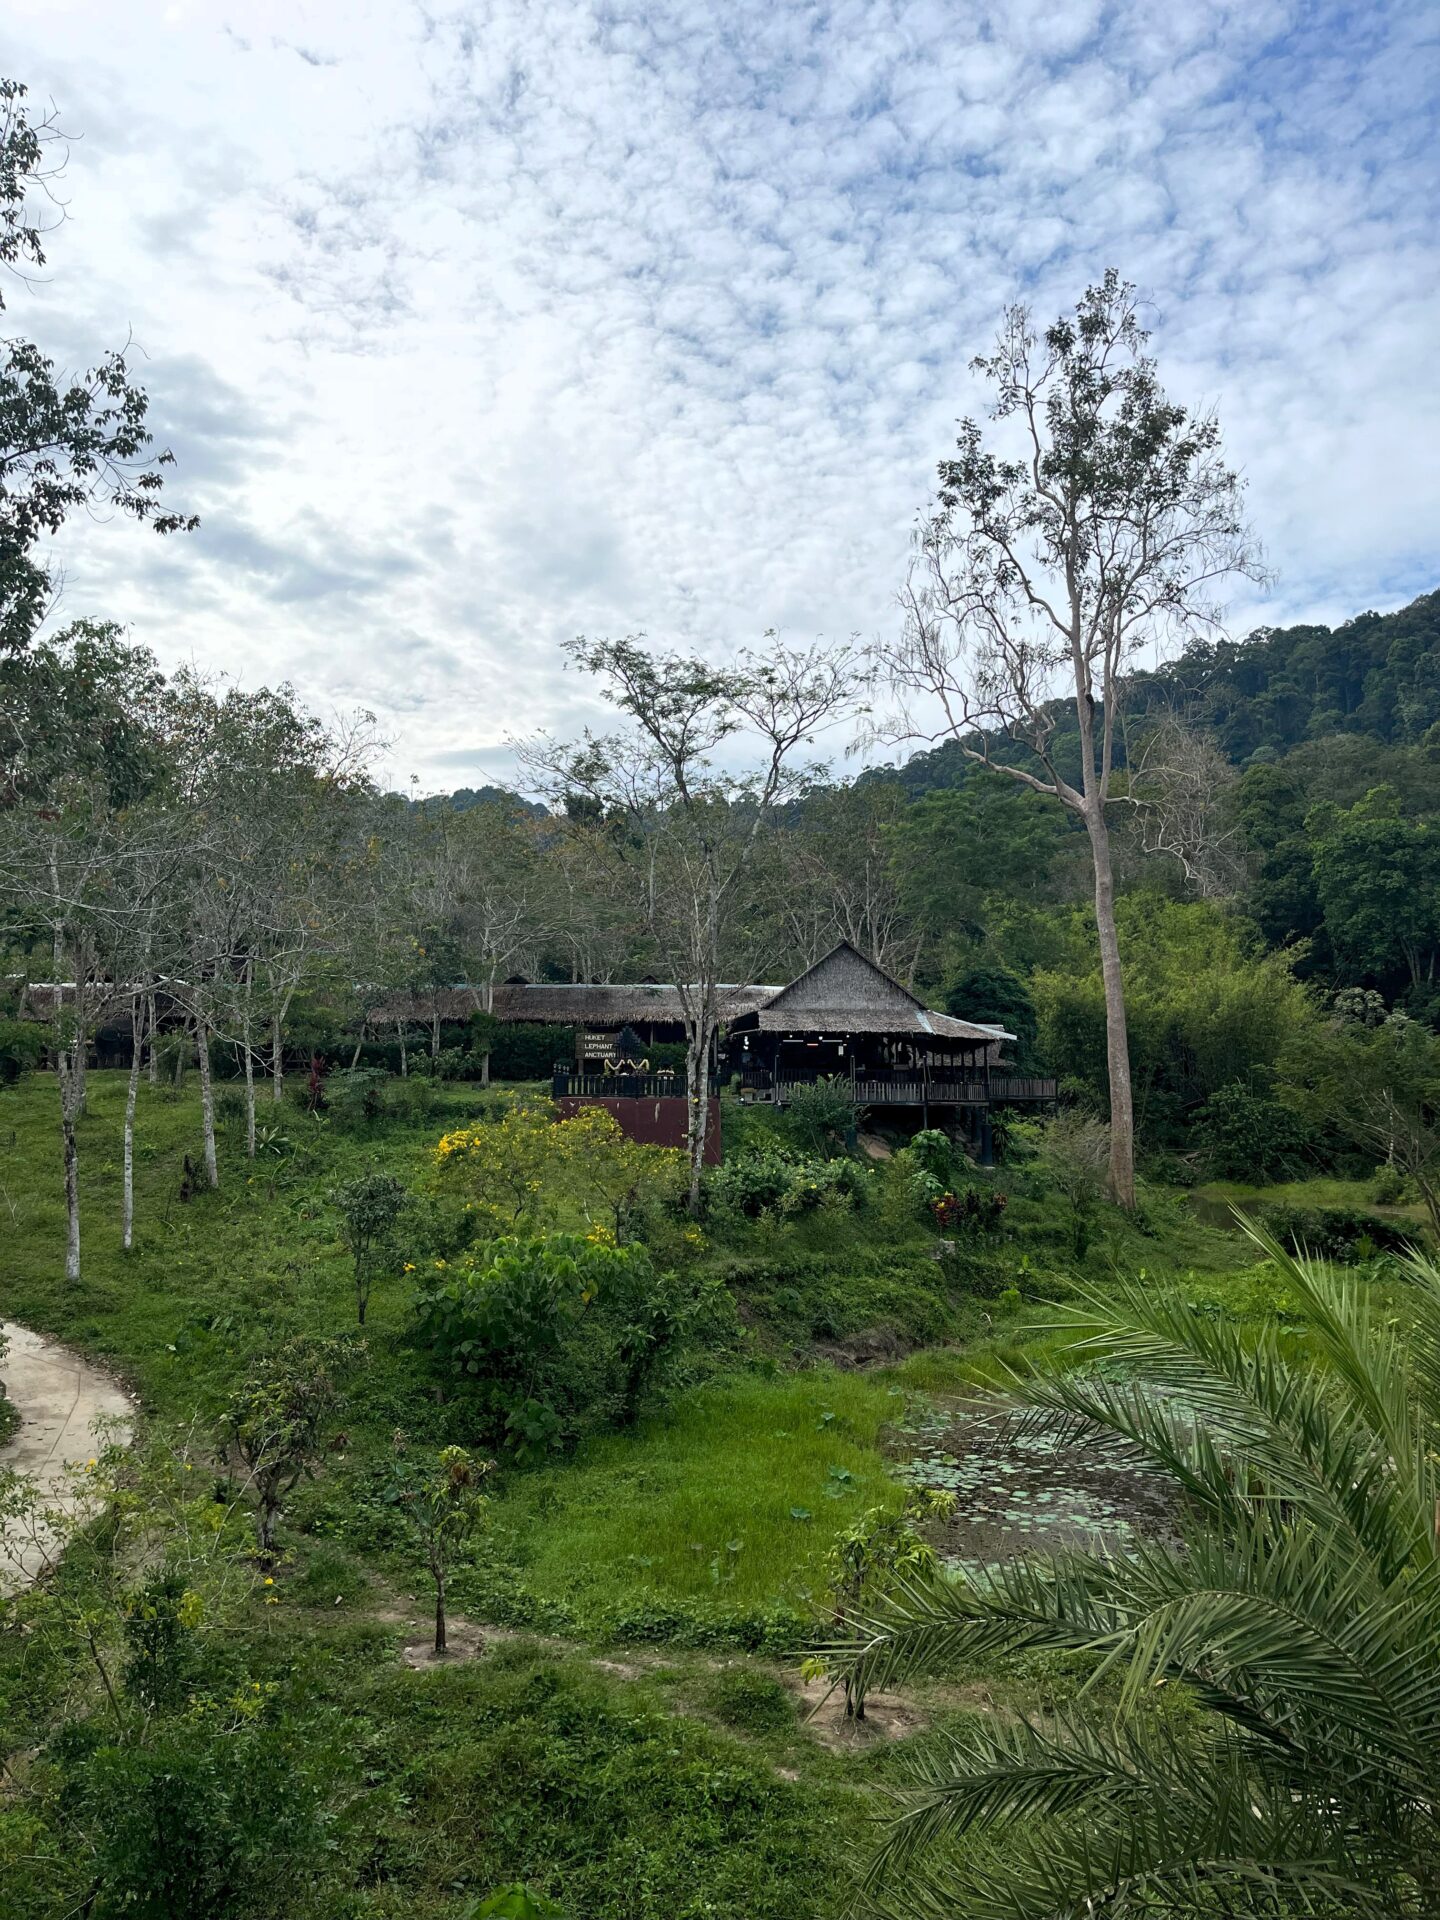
{"type": "Point", "coordinates": [838, 878]}
{"type": "Point", "coordinates": [1103, 526]}
{"type": "Point", "coordinates": [1185, 788]}
{"type": "Point", "coordinates": [78, 806]}
{"type": "Point", "coordinates": [682, 828]}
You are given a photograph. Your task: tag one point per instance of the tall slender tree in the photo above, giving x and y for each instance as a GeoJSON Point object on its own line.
{"type": "Point", "coordinates": [1098, 518]}
{"type": "Point", "coordinates": [682, 831]}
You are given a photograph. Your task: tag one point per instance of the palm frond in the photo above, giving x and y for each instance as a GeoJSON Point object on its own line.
{"type": "Point", "coordinates": [1300, 1613]}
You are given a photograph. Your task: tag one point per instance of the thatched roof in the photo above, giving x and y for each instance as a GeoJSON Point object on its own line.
{"type": "Point", "coordinates": [846, 993]}
{"type": "Point", "coordinates": [843, 993]}
{"type": "Point", "coordinates": [563, 1004]}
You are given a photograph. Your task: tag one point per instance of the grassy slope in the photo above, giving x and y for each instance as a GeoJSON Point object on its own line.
{"type": "Point", "coordinates": [536, 1761]}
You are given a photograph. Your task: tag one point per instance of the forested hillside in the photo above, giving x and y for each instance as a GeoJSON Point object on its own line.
{"type": "Point", "coordinates": [1318, 751]}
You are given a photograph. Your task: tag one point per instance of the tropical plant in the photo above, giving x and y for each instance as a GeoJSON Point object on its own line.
{"type": "Point", "coordinates": [557, 1328]}
{"type": "Point", "coordinates": [370, 1208]}
{"type": "Point", "coordinates": [1293, 1630]}
{"type": "Point", "coordinates": [506, 1165]}
{"type": "Point", "coordinates": [611, 1173]}
{"type": "Point", "coordinates": [1073, 1150]}
{"type": "Point", "coordinates": [445, 1505]}
{"type": "Point", "coordinates": [759, 1180]}
{"type": "Point", "coordinates": [871, 1555]}
{"type": "Point", "coordinates": [824, 1115]}
{"type": "Point", "coordinates": [272, 1421]}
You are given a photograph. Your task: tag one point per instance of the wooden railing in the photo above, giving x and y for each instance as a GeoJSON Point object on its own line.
{"type": "Point", "coordinates": [893, 1088]}
{"type": "Point", "coordinates": [567, 1084]}
{"type": "Point", "coordinates": [901, 1089]}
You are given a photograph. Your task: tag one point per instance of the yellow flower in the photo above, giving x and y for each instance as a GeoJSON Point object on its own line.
{"type": "Point", "coordinates": [269, 1581]}
{"type": "Point", "coordinates": [409, 1266]}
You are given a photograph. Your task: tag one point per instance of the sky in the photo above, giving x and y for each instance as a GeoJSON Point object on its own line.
{"type": "Point", "coordinates": [474, 327]}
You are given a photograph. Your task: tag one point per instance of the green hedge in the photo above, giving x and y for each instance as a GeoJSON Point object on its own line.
{"type": "Point", "coordinates": [522, 1050]}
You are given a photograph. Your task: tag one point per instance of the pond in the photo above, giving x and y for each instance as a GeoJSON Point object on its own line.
{"type": "Point", "coordinates": [1015, 1493]}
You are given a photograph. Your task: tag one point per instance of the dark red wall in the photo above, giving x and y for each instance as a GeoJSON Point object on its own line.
{"type": "Point", "coordinates": [658, 1123]}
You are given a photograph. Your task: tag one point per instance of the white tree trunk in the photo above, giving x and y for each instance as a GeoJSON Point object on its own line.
{"type": "Point", "coordinates": [127, 1200]}
{"type": "Point", "coordinates": [249, 1092]}
{"type": "Point", "coordinates": [207, 1100]}
{"type": "Point", "coordinates": [489, 1008]}
{"type": "Point", "coordinates": [404, 1057]}
{"type": "Point", "coordinates": [277, 1060]}
{"type": "Point", "coordinates": [697, 1092]}
{"type": "Point", "coordinates": [71, 1153]}
{"type": "Point", "coordinates": [152, 1064]}
{"type": "Point", "coordinates": [69, 1103]}
{"type": "Point", "coordinates": [1117, 1041]}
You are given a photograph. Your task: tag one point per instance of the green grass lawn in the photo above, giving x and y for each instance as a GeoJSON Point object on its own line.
{"type": "Point", "coordinates": [730, 1496]}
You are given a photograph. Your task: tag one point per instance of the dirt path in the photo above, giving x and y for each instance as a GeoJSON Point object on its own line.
{"type": "Point", "coordinates": [59, 1397]}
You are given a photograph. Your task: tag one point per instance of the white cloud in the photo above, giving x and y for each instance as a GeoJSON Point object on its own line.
{"type": "Point", "coordinates": [477, 326]}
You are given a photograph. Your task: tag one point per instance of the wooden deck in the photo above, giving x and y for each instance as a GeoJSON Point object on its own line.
{"type": "Point", "coordinates": [917, 1090]}
{"type": "Point", "coordinates": [880, 1090]}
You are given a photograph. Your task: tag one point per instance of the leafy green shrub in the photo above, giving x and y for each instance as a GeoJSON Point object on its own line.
{"type": "Point", "coordinates": [558, 1329]}
{"type": "Point", "coordinates": [355, 1097]}
{"type": "Point", "coordinates": [823, 1115]}
{"type": "Point", "coordinates": [765, 1179]}
{"type": "Point", "coordinates": [753, 1702]}
{"type": "Point", "coordinates": [21, 1044]}
{"type": "Point", "coordinates": [370, 1209]}
{"type": "Point", "coordinates": [273, 1420]}
{"type": "Point", "coordinates": [1391, 1188]}
{"type": "Point", "coordinates": [526, 1050]}
{"type": "Point", "coordinates": [411, 1099]}
{"type": "Point", "coordinates": [933, 1153]}
{"type": "Point", "coordinates": [450, 1063]}
{"type": "Point", "coordinates": [1336, 1233]}
{"type": "Point", "coordinates": [196, 1819]}
{"type": "Point", "coordinates": [1245, 1135]}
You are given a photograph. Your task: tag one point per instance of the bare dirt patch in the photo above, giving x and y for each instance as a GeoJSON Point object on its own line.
{"type": "Point", "coordinates": [823, 1716]}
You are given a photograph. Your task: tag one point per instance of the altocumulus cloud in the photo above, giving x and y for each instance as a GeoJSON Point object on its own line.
{"type": "Point", "coordinates": [475, 326]}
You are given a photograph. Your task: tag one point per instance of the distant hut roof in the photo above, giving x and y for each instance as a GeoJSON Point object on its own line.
{"type": "Point", "coordinates": [846, 993]}
{"type": "Point", "coordinates": [615, 1005]}
{"type": "Point", "coordinates": [567, 1004]}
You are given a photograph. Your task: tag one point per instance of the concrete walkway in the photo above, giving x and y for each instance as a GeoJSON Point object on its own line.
{"type": "Point", "coordinates": [59, 1397]}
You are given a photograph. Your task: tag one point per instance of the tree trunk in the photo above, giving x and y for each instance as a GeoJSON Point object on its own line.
{"type": "Point", "coordinates": [71, 1153]}
{"type": "Point", "coordinates": [207, 1100]}
{"type": "Point", "coordinates": [404, 1057]}
{"type": "Point", "coordinates": [359, 1044]}
{"type": "Point", "coordinates": [152, 1063]}
{"type": "Point", "coordinates": [697, 1091]}
{"type": "Point", "coordinates": [249, 1093]}
{"type": "Point", "coordinates": [277, 1060]}
{"type": "Point", "coordinates": [439, 1615]}
{"type": "Point", "coordinates": [69, 1104]}
{"type": "Point", "coordinates": [137, 1049]}
{"type": "Point", "coordinates": [434, 1029]}
{"type": "Point", "coordinates": [1117, 1040]}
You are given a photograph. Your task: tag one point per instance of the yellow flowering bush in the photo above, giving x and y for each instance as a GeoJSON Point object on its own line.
{"type": "Point", "coordinates": [522, 1169]}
